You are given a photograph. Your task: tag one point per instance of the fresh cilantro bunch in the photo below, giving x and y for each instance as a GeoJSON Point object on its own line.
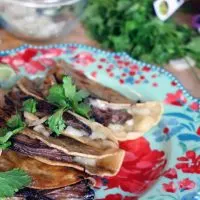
{"type": "Point", "coordinates": [66, 97]}
{"type": "Point", "coordinates": [13, 126]}
{"type": "Point", "coordinates": [131, 26]}
{"type": "Point", "coordinates": [12, 181]}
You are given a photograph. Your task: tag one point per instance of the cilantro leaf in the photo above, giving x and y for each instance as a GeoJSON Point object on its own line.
{"type": "Point", "coordinates": [12, 181]}
{"type": "Point", "coordinates": [116, 24]}
{"type": "Point", "coordinates": [56, 122]}
{"type": "Point", "coordinates": [81, 95]}
{"type": "Point", "coordinates": [4, 138]}
{"type": "Point", "coordinates": [57, 96]}
{"type": "Point", "coordinates": [15, 125]}
{"type": "Point", "coordinates": [83, 109]}
{"type": "Point", "coordinates": [66, 97]}
{"type": "Point", "coordinates": [15, 122]}
{"type": "Point", "coordinates": [69, 88]}
{"type": "Point", "coordinates": [30, 106]}
{"type": "Point", "coordinates": [5, 145]}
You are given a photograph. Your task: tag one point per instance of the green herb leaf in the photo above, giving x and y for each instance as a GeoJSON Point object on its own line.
{"type": "Point", "coordinates": [4, 138]}
{"type": "Point", "coordinates": [194, 45]}
{"type": "Point", "coordinates": [81, 95]}
{"type": "Point", "coordinates": [132, 26]}
{"type": "Point", "coordinates": [56, 122]}
{"type": "Point", "coordinates": [15, 125]}
{"type": "Point", "coordinates": [69, 88]}
{"type": "Point", "coordinates": [12, 181]}
{"type": "Point", "coordinates": [83, 109]}
{"type": "Point", "coordinates": [15, 122]}
{"type": "Point", "coordinates": [5, 145]}
{"type": "Point", "coordinates": [57, 96]}
{"type": "Point", "coordinates": [65, 96]}
{"type": "Point", "coordinates": [30, 106]}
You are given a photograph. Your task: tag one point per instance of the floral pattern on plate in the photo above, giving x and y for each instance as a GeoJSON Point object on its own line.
{"type": "Point", "coordinates": [165, 163]}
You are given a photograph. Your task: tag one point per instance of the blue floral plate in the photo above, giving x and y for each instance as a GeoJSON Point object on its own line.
{"type": "Point", "coordinates": [165, 162]}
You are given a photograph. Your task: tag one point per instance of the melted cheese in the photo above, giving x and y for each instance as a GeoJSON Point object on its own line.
{"type": "Point", "coordinates": [85, 161]}
{"type": "Point", "coordinates": [79, 133]}
{"type": "Point", "coordinates": [106, 105]}
{"type": "Point", "coordinates": [74, 132]}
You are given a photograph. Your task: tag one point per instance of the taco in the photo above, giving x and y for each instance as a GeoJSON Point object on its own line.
{"type": "Point", "coordinates": [48, 182]}
{"type": "Point", "coordinates": [65, 151]}
{"type": "Point", "coordinates": [126, 121]}
{"type": "Point", "coordinates": [77, 127]}
{"type": "Point", "coordinates": [97, 156]}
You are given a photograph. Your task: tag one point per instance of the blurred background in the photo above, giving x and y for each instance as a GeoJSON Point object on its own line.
{"type": "Point", "coordinates": [161, 32]}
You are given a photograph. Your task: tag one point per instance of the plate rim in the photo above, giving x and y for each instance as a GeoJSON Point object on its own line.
{"type": "Point", "coordinates": [105, 52]}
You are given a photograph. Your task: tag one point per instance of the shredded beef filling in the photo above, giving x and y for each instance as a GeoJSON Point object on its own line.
{"type": "Point", "coordinates": [110, 116]}
{"type": "Point", "coordinates": [71, 120]}
{"type": "Point", "coordinates": [77, 191]}
{"type": "Point", "coordinates": [33, 147]}
{"type": "Point", "coordinates": [45, 108]}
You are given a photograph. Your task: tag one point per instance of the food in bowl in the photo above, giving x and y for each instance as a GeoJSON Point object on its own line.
{"type": "Point", "coordinates": [40, 20]}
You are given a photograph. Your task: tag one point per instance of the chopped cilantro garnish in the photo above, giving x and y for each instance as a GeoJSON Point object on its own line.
{"type": "Point", "coordinates": [83, 109]}
{"type": "Point", "coordinates": [69, 88]}
{"type": "Point", "coordinates": [56, 122]}
{"type": "Point", "coordinates": [15, 122]}
{"type": "Point", "coordinates": [81, 95]}
{"type": "Point", "coordinates": [67, 96]}
{"type": "Point", "coordinates": [57, 96]}
{"type": "Point", "coordinates": [30, 106]}
{"type": "Point", "coordinates": [12, 181]}
{"type": "Point", "coordinates": [14, 125]}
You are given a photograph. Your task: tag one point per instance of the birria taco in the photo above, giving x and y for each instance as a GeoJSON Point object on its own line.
{"type": "Point", "coordinates": [77, 127]}
{"type": "Point", "coordinates": [126, 121]}
{"type": "Point", "coordinates": [65, 151]}
{"type": "Point", "coordinates": [38, 141]}
{"type": "Point", "coordinates": [47, 182]}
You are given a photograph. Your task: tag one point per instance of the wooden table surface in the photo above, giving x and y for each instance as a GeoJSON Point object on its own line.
{"type": "Point", "coordinates": [190, 78]}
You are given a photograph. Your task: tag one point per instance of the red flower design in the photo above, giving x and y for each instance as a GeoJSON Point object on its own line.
{"type": "Point", "coordinates": [198, 131]}
{"type": "Point", "coordinates": [173, 83]}
{"type": "Point", "coordinates": [72, 48]}
{"type": "Point", "coordinates": [33, 67]}
{"type": "Point", "coordinates": [114, 197]}
{"type": "Point", "coordinates": [29, 61]}
{"type": "Point", "coordinates": [176, 99]}
{"type": "Point", "coordinates": [51, 53]}
{"type": "Point", "coordinates": [119, 197]}
{"type": "Point", "coordinates": [28, 54]}
{"type": "Point", "coordinates": [194, 106]}
{"type": "Point", "coordinates": [84, 58]}
{"type": "Point", "coordinates": [117, 57]}
{"type": "Point", "coordinates": [134, 68]}
{"type": "Point", "coordinates": [94, 74]}
{"type": "Point", "coordinates": [170, 173]}
{"type": "Point", "coordinates": [186, 184]}
{"type": "Point", "coordinates": [146, 69]}
{"type": "Point", "coordinates": [169, 187]}
{"type": "Point", "coordinates": [190, 163]}
{"type": "Point", "coordinates": [141, 167]}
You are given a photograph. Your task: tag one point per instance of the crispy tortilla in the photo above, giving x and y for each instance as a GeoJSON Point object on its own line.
{"type": "Point", "coordinates": [94, 88]}
{"type": "Point", "coordinates": [145, 116]}
{"type": "Point", "coordinates": [107, 162]}
{"type": "Point", "coordinates": [106, 141]}
{"type": "Point", "coordinates": [30, 88]}
{"type": "Point", "coordinates": [43, 176]}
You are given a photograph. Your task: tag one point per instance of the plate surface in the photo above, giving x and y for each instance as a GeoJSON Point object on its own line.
{"type": "Point", "coordinates": [165, 163]}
